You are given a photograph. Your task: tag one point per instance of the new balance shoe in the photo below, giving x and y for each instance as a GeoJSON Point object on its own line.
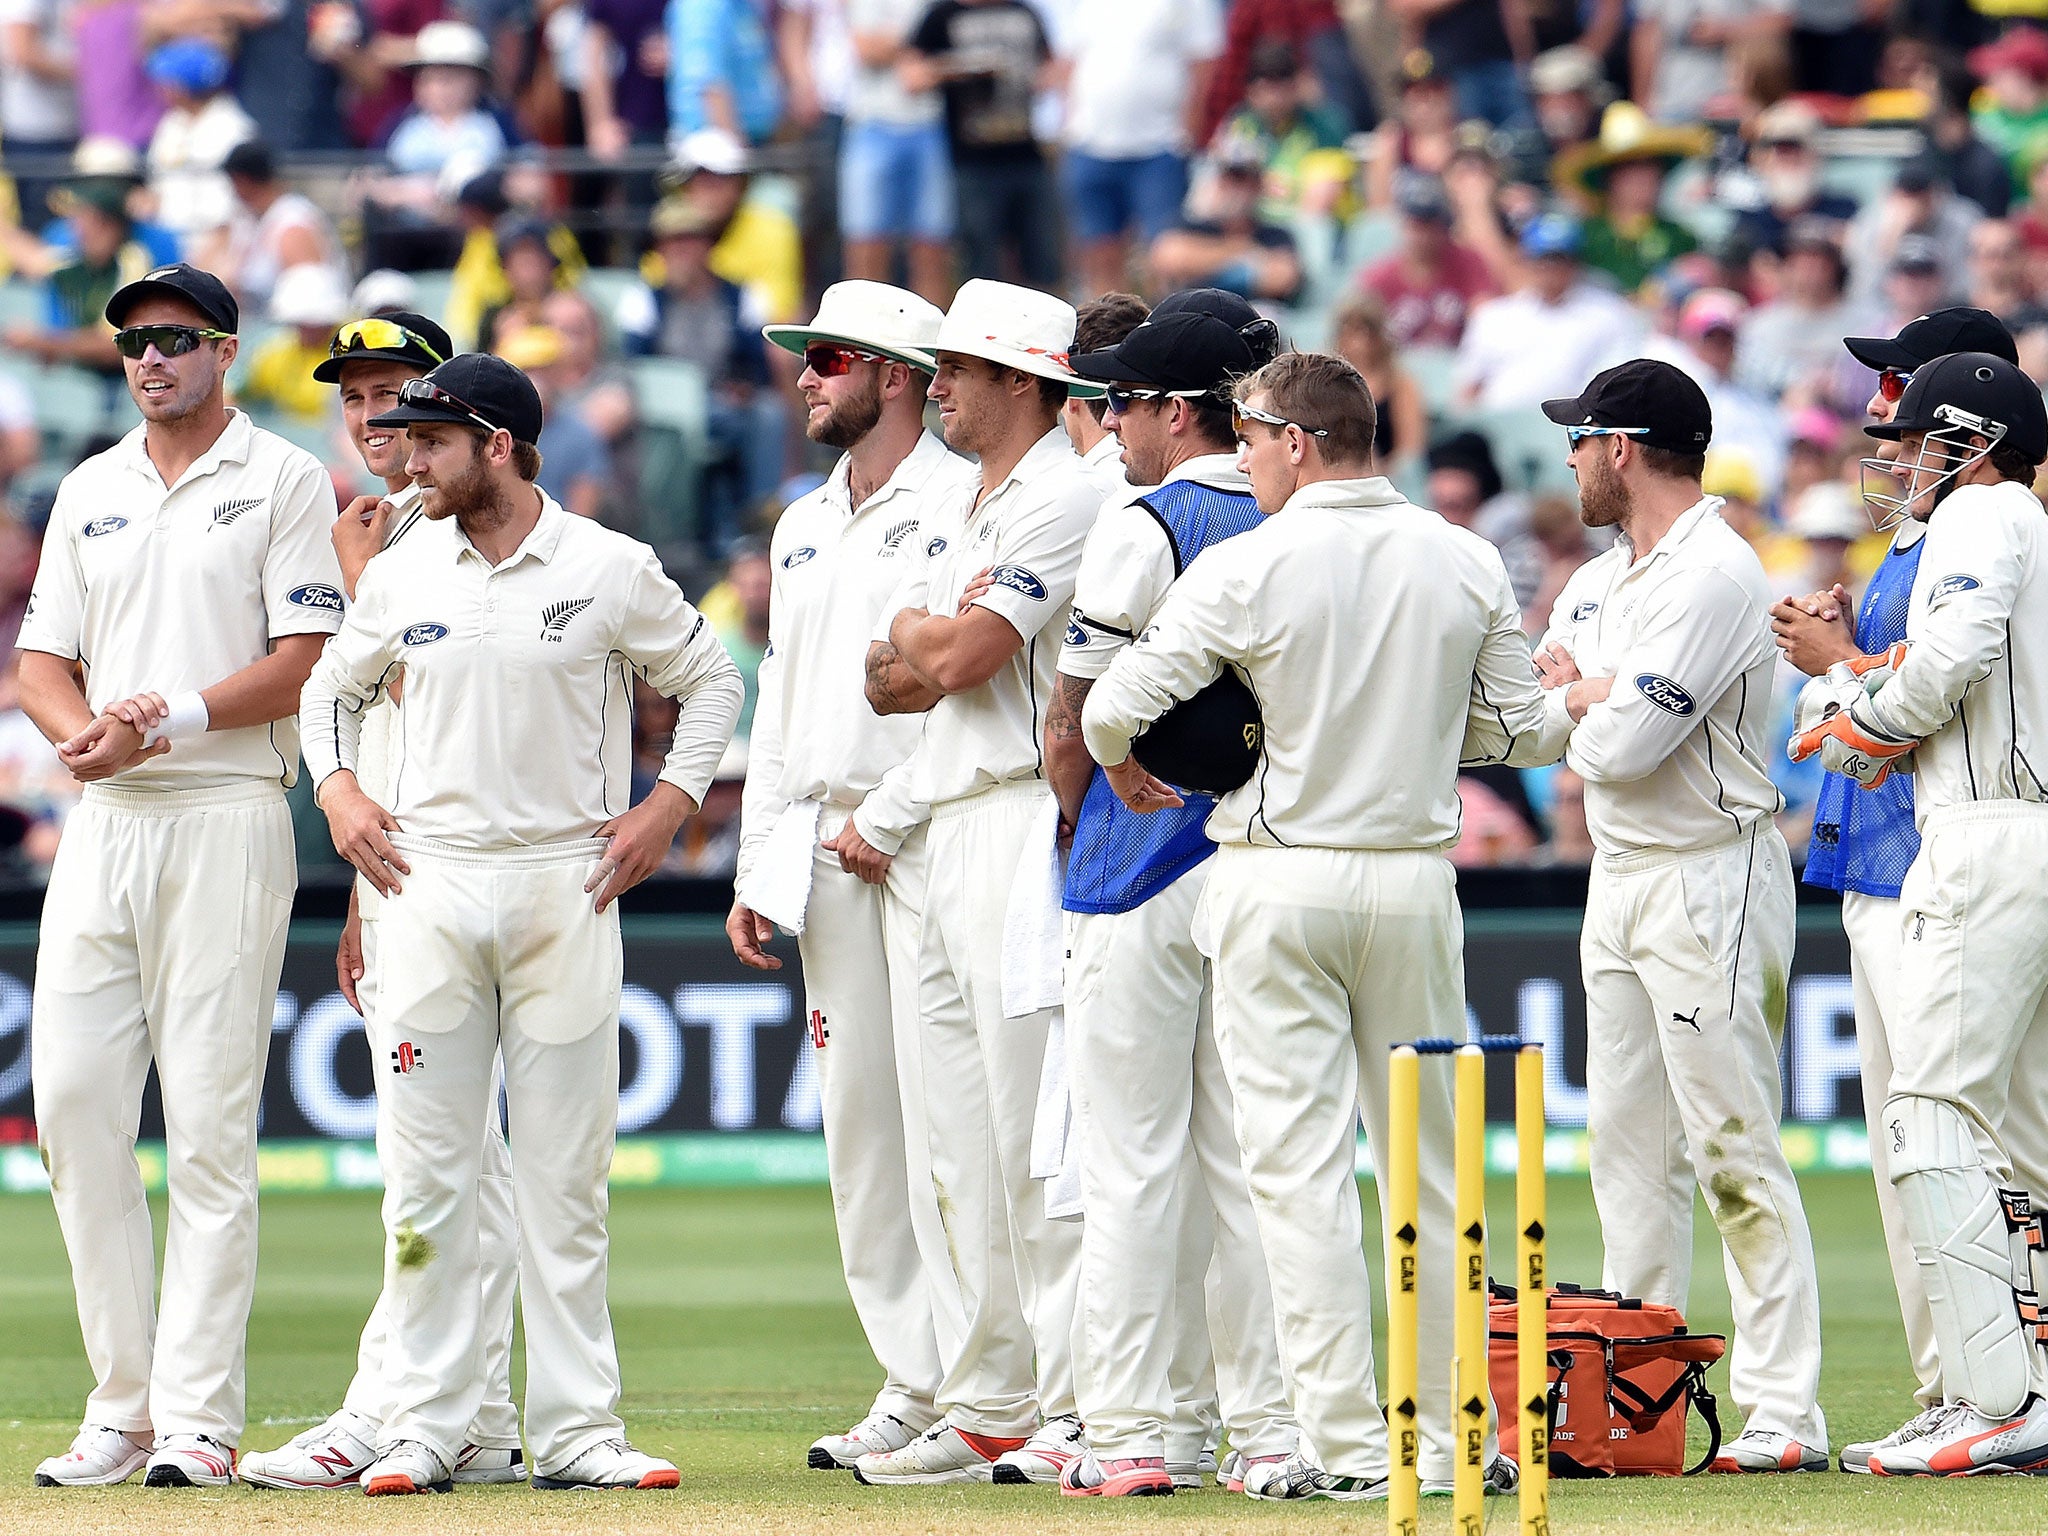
{"type": "Point", "coordinates": [1293, 1478]}
{"type": "Point", "coordinates": [1765, 1450]}
{"type": "Point", "coordinates": [1236, 1468]}
{"type": "Point", "coordinates": [1043, 1457]}
{"type": "Point", "coordinates": [1118, 1477]}
{"type": "Point", "coordinates": [873, 1435]}
{"type": "Point", "coordinates": [613, 1464]}
{"type": "Point", "coordinates": [942, 1454]}
{"type": "Point", "coordinates": [1856, 1455]}
{"type": "Point", "coordinates": [190, 1461]}
{"type": "Point", "coordinates": [99, 1458]}
{"type": "Point", "coordinates": [488, 1464]}
{"type": "Point", "coordinates": [407, 1466]}
{"type": "Point", "coordinates": [1964, 1443]}
{"type": "Point", "coordinates": [1503, 1476]}
{"type": "Point", "coordinates": [330, 1455]}
{"type": "Point", "coordinates": [1189, 1474]}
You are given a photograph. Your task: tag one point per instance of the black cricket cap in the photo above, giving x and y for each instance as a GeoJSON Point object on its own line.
{"type": "Point", "coordinates": [1921, 341]}
{"type": "Point", "coordinates": [489, 386]}
{"type": "Point", "coordinates": [1982, 385]}
{"type": "Point", "coordinates": [1210, 743]}
{"type": "Point", "coordinates": [1187, 351]}
{"type": "Point", "coordinates": [411, 353]}
{"type": "Point", "coordinates": [1643, 393]}
{"type": "Point", "coordinates": [181, 280]}
{"type": "Point", "coordinates": [1259, 333]}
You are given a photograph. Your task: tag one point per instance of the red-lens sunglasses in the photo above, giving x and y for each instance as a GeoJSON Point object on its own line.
{"type": "Point", "coordinates": [1892, 384]}
{"type": "Point", "coordinates": [828, 361]}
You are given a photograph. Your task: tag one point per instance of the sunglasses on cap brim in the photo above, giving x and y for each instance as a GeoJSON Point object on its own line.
{"type": "Point", "coordinates": [377, 335]}
{"type": "Point", "coordinates": [427, 392]}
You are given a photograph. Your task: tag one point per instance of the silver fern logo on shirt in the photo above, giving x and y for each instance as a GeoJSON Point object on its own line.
{"type": "Point", "coordinates": [556, 616]}
{"type": "Point", "coordinates": [228, 511]}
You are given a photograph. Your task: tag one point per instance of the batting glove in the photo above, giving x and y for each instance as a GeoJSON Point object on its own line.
{"type": "Point", "coordinates": [1851, 747]}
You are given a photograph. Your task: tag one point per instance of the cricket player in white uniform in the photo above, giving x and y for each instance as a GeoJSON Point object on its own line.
{"type": "Point", "coordinates": [983, 670]}
{"type": "Point", "coordinates": [1970, 688]}
{"type": "Point", "coordinates": [186, 586]}
{"type": "Point", "coordinates": [1660, 651]}
{"type": "Point", "coordinates": [370, 360]}
{"type": "Point", "coordinates": [816, 753]}
{"type": "Point", "coordinates": [1384, 646]}
{"type": "Point", "coordinates": [1100, 323]}
{"type": "Point", "coordinates": [520, 628]}
{"type": "Point", "coordinates": [1159, 1163]}
{"type": "Point", "coordinates": [1865, 840]}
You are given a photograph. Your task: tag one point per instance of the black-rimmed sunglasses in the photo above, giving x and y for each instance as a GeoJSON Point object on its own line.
{"type": "Point", "coordinates": [170, 340]}
{"type": "Point", "coordinates": [427, 392]}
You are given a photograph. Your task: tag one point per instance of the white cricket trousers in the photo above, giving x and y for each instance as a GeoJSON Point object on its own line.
{"type": "Point", "coordinates": [483, 955]}
{"type": "Point", "coordinates": [1686, 961]}
{"type": "Point", "coordinates": [162, 939]}
{"type": "Point", "coordinates": [860, 949]}
{"type": "Point", "coordinates": [1325, 959]}
{"type": "Point", "coordinates": [1972, 1001]}
{"type": "Point", "coordinates": [1157, 1135]}
{"type": "Point", "coordinates": [369, 1394]}
{"type": "Point", "coordinates": [1013, 1268]}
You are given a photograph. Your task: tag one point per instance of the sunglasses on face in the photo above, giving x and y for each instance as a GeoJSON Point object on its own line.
{"type": "Point", "coordinates": [379, 336]}
{"type": "Point", "coordinates": [830, 362]}
{"type": "Point", "coordinates": [170, 340]}
{"type": "Point", "coordinates": [1116, 399]}
{"type": "Point", "coordinates": [1577, 435]}
{"type": "Point", "coordinates": [1892, 384]}
{"type": "Point", "coordinates": [426, 392]}
{"type": "Point", "coordinates": [1241, 413]}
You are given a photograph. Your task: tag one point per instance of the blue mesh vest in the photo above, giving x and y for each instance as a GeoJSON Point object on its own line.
{"type": "Point", "coordinates": [1863, 839]}
{"type": "Point", "coordinates": [1121, 859]}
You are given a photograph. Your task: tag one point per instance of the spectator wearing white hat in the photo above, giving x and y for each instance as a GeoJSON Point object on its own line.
{"type": "Point", "coordinates": [310, 302]}
{"type": "Point", "coordinates": [973, 639]}
{"type": "Point", "coordinates": [448, 136]}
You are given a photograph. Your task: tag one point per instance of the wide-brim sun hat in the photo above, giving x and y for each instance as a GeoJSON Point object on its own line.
{"type": "Point", "coordinates": [1627, 134]}
{"type": "Point", "coordinates": [1012, 327]}
{"type": "Point", "coordinates": [453, 43]}
{"type": "Point", "coordinates": [309, 294]}
{"type": "Point", "coordinates": [872, 317]}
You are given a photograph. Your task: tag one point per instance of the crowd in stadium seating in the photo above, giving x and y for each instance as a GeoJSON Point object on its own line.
{"type": "Point", "coordinates": [1478, 202]}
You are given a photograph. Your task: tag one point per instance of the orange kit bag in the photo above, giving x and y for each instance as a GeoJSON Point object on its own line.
{"type": "Point", "coordinates": [1622, 1375]}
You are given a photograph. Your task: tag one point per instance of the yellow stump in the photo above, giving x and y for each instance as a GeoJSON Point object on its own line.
{"type": "Point", "coordinates": [1404, 1131]}
{"type": "Point", "coordinates": [1531, 1322]}
{"type": "Point", "coordinates": [1468, 1372]}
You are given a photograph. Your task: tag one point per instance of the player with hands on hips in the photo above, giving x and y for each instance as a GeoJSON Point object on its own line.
{"type": "Point", "coordinates": [1969, 697]}
{"type": "Point", "coordinates": [1659, 655]}
{"type": "Point", "coordinates": [520, 629]}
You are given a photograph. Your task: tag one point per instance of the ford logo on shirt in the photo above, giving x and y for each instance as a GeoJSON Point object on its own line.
{"type": "Point", "coordinates": [1017, 579]}
{"type": "Point", "coordinates": [1076, 635]}
{"type": "Point", "coordinates": [315, 595]}
{"type": "Point", "coordinates": [797, 557]}
{"type": "Point", "coordinates": [424, 634]}
{"type": "Point", "coordinates": [1584, 611]}
{"type": "Point", "coordinates": [1665, 694]}
{"type": "Point", "coordinates": [100, 525]}
{"type": "Point", "coordinates": [1948, 586]}
{"type": "Point", "coordinates": [935, 548]}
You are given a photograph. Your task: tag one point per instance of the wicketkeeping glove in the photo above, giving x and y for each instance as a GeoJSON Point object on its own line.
{"type": "Point", "coordinates": [1828, 724]}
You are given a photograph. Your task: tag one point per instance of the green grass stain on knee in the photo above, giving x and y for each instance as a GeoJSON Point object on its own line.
{"type": "Point", "coordinates": [414, 1251]}
{"type": "Point", "coordinates": [1775, 983]}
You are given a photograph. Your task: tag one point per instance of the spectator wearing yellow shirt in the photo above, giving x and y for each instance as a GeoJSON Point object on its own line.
{"type": "Point", "coordinates": [310, 302]}
{"type": "Point", "coordinates": [757, 246]}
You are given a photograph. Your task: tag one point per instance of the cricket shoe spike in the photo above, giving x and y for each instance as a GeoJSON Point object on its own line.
{"type": "Point", "coordinates": [190, 1461]}
{"type": "Point", "coordinates": [1117, 1477]}
{"type": "Point", "coordinates": [490, 1464]}
{"type": "Point", "coordinates": [1295, 1478]}
{"type": "Point", "coordinates": [1855, 1457]}
{"type": "Point", "coordinates": [1043, 1457]}
{"type": "Point", "coordinates": [330, 1455]}
{"type": "Point", "coordinates": [99, 1458]}
{"type": "Point", "coordinates": [407, 1466]}
{"type": "Point", "coordinates": [876, 1434]}
{"type": "Point", "coordinates": [1964, 1443]}
{"type": "Point", "coordinates": [942, 1454]}
{"type": "Point", "coordinates": [612, 1464]}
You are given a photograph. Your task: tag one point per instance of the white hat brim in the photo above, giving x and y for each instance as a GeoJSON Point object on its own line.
{"type": "Point", "coordinates": [1037, 364]}
{"type": "Point", "coordinates": [795, 338]}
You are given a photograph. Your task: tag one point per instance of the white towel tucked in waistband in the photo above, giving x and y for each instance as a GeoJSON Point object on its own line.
{"type": "Point", "coordinates": [779, 885]}
{"type": "Point", "coordinates": [1034, 941]}
{"type": "Point", "coordinates": [1055, 1149]}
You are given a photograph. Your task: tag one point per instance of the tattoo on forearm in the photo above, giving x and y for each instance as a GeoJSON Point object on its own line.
{"type": "Point", "coordinates": [884, 688]}
{"type": "Point", "coordinates": [1063, 715]}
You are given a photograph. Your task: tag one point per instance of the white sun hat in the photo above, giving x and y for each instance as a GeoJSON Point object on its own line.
{"type": "Point", "coordinates": [309, 294]}
{"type": "Point", "coordinates": [1829, 510]}
{"type": "Point", "coordinates": [874, 317]}
{"type": "Point", "coordinates": [450, 42]}
{"type": "Point", "coordinates": [1016, 327]}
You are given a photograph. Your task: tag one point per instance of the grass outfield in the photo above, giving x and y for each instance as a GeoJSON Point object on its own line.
{"type": "Point", "coordinates": [739, 1347]}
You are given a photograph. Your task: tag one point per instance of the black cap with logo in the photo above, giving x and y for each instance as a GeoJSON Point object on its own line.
{"type": "Point", "coordinates": [1972, 392]}
{"type": "Point", "coordinates": [1921, 341]}
{"type": "Point", "coordinates": [1663, 407]}
{"type": "Point", "coordinates": [181, 280]}
{"type": "Point", "coordinates": [472, 390]}
{"type": "Point", "coordinates": [1259, 333]}
{"type": "Point", "coordinates": [397, 336]}
{"type": "Point", "coordinates": [1187, 351]}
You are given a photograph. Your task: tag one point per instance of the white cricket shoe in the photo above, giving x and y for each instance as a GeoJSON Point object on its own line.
{"type": "Point", "coordinates": [1766, 1450]}
{"type": "Point", "coordinates": [876, 1434]}
{"type": "Point", "coordinates": [487, 1464]}
{"type": "Point", "coordinates": [1856, 1455]}
{"type": "Point", "coordinates": [1293, 1478]}
{"type": "Point", "coordinates": [942, 1454]}
{"type": "Point", "coordinates": [1964, 1443]}
{"type": "Point", "coordinates": [190, 1461]}
{"type": "Point", "coordinates": [407, 1466]}
{"type": "Point", "coordinates": [1189, 1474]}
{"type": "Point", "coordinates": [612, 1464]}
{"type": "Point", "coordinates": [329, 1455]}
{"type": "Point", "coordinates": [1043, 1457]}
{"type": "Point", "coordinates": [99, 1457]}
{"type": "Point", "coordinates": [1504, 1476]}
